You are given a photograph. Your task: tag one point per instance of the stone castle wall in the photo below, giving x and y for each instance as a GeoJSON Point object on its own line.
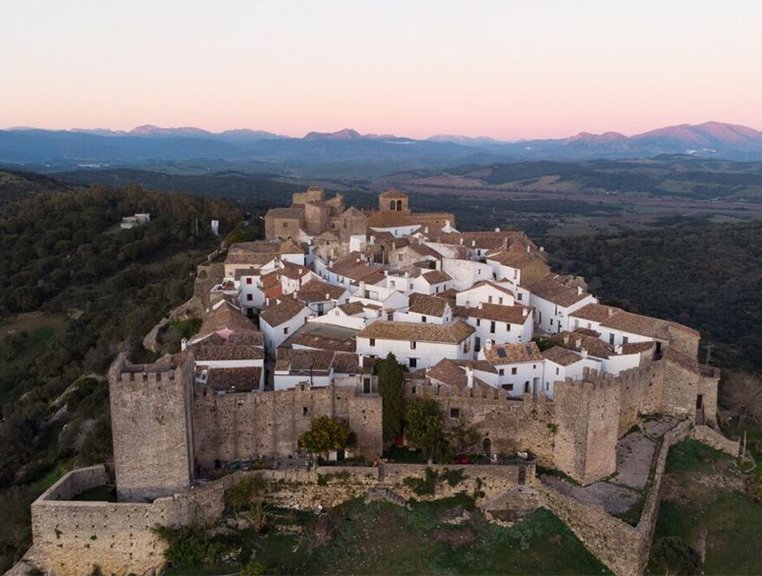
{"type": "Point", "coordinates": [72, 537]}
{"type": "Point", "coordinates": [623, 548]}
{"type": "Point", "coordinates": [510, 425]}
{"type": "Point", "coordinates": [245, 425]}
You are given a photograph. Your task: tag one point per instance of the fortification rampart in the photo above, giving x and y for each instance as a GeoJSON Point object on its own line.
{"type": "Point", "coordinates": [72, 537]}
{"type": "Point", "coordinates": [241, 426]}
{"type": "Point", "coordinates": [623, 548]}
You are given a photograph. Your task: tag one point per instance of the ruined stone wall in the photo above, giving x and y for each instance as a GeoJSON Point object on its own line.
{"type": "Point", "coordinates": [681, 388]}
{"type": "Point", "coordinates": [511, 425]}
{"type": "Point", "coordinates": [151, 424]}
{"type": "Point", "coordinates": [207, 276]}
{"type": "Point", "coordinates": [711, 437]}
{"type": "Point", "coordinates": [244, 425]}
{"type": "Point", "coordinates": [72, 537]}
{"type": "Point", "coordinates": [640, 393]}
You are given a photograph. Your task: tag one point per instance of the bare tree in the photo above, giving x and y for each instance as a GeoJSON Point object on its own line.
{"type": "Point", "coordinates": [742, 395]}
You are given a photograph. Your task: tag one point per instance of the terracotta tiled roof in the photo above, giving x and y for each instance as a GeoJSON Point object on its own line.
{"type": "Point", "coordinates": [429, 305]}
{"type": "Point", "coordinates": [282, 310]}
{"type": "Point", "coordinates": [510, 314]}
{"type": "Point", "coordinates": [322, 336]}
{"type": "Point", "coordinates": [453, 373]}
{"type": "Point", "coordinates": [436, 276]}
{"type": "Point", "coordinates": [637, 324]}
{"type": "Point", "coordinates": [553, 289]}
{"type": "Point", "coordinates": [243, 379]}
{"type": "Point", "coordinates": [499, 354]}
{"type": "Point", "coordinates": [295, 212]}
{"type": "Point", "coordinates": [424, 250]}
{"type": "Point", "coordinates": [257, 247]}
{"type": "Point", "coordinates": [345, 363]}
{"type": "Point", "coordinates": [393, 193]}
{"type": "Point", "coordinates": [250, 259]}
{"type": "Point", "coordinates": [494, 285]}
{"type": "Point", "coordinates": [203, 353]}
{"type": "Point", "coordinates": [595, 312]}
{"type": "Point", "coordinates": [561, 356]}
{"type": "Point", "coordinates": [519, 259]}
{"type": "Point", "coordinates": [583, 339]}
{"type": "Point", "coordinates": [354, 267]}
{"type": "Point", "coordinates": [453, 333]}
{"type": "Point", "coordinates": [352, 308]}
{"type": "Point", "coordinates": [290, 359]}
{"type": "Point", "coordinates": [316, 291]}
{"type": "Point", "coordinates": [225, 316]}
{"type": "Point", "coordinates": [288, 246]}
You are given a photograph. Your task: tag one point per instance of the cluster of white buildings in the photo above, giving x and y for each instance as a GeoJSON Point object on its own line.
{"type": "Point", "coordinates": [459, 308]}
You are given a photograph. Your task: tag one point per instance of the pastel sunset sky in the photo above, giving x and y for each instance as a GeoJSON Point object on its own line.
{"type": "Point", "coordinates": [503, 68]}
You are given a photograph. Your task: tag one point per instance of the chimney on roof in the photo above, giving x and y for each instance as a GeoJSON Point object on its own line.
{"type": "Point", "coordinates": [488, 344]}
{"type": "Point", "coordinates": [294, 293]}
{"type": "Point", "coordinates": [461, 240]}
{"type": "Point", "coordinates": [372, 240]}
{"type": "Point", "coordinates": [426, 229]}
{"type": "Point", "coordinates": [583, 352]}
{"type": "Point", "coordinates": [183, 344]}
{"type": "Point", "coordinates": [277, 301]}
{"type": "Point", "coordinates": [469, 377]}
{"type": "Point", "coordinates": [524, 312]}
{"type": "Point", "coordinates": [361, 360]}
{"type": "Point", "coordinates": [479, 307]}
{"type": "Point", "coordinates": [407, 274]}
{"type": "Point", "coordinates": [327, 296]}
{"type": "Point", "coordinates": [447, 223]}
{"type": "Point", "coordinates": [566, 339]}
{"type": "Point", "coordinates": [611, 311]}
{"type": "Point", "coordinates": [618, 349]}
{"type": "Point", "coordinates": [578, 343]}
{"type": "Point", "coordinates": [542, 248]}
{"type": "Point", "coordinates": [361, 288]}
{"type": "Point", "coordinates": [579, 290]}
{"type": "Point", "coordinates": [529, 249]}
{"type": "Point", "coordinates": [437, 264]}
{"type": "Point", "coordinates": [473, 243]}
{"type": "Point", "coordinates": [497, 229]}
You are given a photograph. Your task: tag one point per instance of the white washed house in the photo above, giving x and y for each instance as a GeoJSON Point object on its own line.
{"type": "Point", "coordinates": [280, 318]}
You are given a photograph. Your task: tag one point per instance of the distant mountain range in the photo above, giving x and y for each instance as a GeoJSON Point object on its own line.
{"type": "Point", "coordinates": [147, 144]}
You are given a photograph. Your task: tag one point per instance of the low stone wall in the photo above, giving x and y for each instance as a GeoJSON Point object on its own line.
{"type": "Point", "coordinates": [711, 437]}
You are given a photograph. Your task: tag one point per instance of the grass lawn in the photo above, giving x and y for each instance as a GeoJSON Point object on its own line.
{"type": "Point", "coordinates": [704, 507]}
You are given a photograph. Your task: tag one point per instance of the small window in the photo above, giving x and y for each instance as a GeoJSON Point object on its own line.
{"type": "Point", "coordinates": [519, 296]}
{"type": "Point", "coordinates": [366, 385]}
{"type": "Point", "coordinates": [372, 341]}
{"type": "Point", "coordinates": [285, 224]}
{"type": "Point", "coordinates": [478, 322]}
{"type": "Point", "coordinates": [413, 362]}
{"type": "Point", "coordinates": [611, 338]}
{"type": "Point", "coordinates": [305, 411]}
{"type": "Point", "coordinates": [507, 327]}
{"type": "Point", "coordinates": [500, 300]}
{"type": "Point", "coordinates": [248, 280]}
{"type": "Point", "coordinates": [454, 412]}
{"type": "Point", "coordinates": [501, 372]}
{"type": "Point", "coordinates": [551, 321]}
{"type": "Point", "coordinates": [558, 371]}
{"type": "Point", "coordinates": [399, 257]}
{"type": "Point", "coordinates": [492, 327]}
{"type": "Point", "coordinates": [412, 344]}
{"type": "Point", "coordinates": [423, 319]}
{"type": "Point", "coordinates": [249, 297]}
{"type": "Point", "coordinates": [489, 299]}
{"type": "Point", "coordinates": [514, 370]}
{"type": "Point", "coordinates": [285, 330]}
{"type": "Point", "coordinates": [625, 339]}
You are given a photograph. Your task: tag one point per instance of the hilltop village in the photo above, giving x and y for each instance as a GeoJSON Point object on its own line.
{"type": "Point", "coordinates": [291, 328]}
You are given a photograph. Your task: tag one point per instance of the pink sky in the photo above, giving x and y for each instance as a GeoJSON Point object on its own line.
{"type": "Point", "coordinates": [520, 69]}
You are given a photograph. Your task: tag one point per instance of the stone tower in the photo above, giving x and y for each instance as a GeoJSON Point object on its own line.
{"type": "Point", "coordinates": [353, 223]}
{"type": "Point", "coordinates": [394, 200]}
{"type": "Point", "coordinates": [151, 418]}
{"type": "Point", "coordinates": [587, 416]}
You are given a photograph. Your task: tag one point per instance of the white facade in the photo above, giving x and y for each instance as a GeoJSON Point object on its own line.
{"type": "Point", "coordinates": [552, 318]}
{"type": "Point", "coordinates": [466, 273]}
{"type": "Point", "coordinates": [501, 332]}
{"type": "Point", "coordinates": [274, 336]}
{"type": "Point", "coordinates": [422, 354]}
{"type": "Point", "coordinates": [485, 294]}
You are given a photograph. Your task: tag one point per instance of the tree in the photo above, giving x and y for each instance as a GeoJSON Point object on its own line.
{"type": "Point", "coordinates": [423, 426]}
{"type": "Point", "coordinates": [742, 395]}
{"type": "Point", "coordinates": [326, 434]}
{"type": "Point", "coordinates": [391, 375]}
